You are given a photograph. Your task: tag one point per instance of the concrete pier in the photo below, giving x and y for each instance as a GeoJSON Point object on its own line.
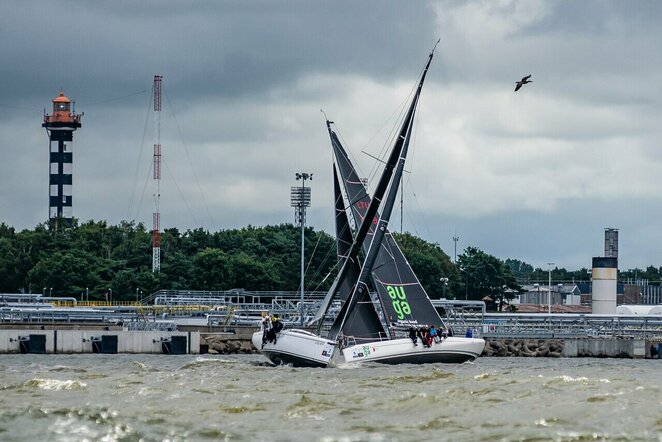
{"type": "Point", "coordinates": [98, 341]}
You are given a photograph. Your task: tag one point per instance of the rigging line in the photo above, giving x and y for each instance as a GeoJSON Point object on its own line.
{"type": "Point", "coordinates": [409, 219]}
{"type": "Point", "coordinates": [335, 266]}
{"type": "Point", "coordinates": [410, 185]}
{"type": "Point", "coordinates": [394, 128]}
{"type": "Point", "coordinates": [195, 175]}
{"type": "Point", "coordinates": [113, 99]}
{"type": "Point", "coordinates": [326, 258]}
{"type": "Point", "coordinates": [140, 154]}
{"type": "Point", "coordinates": [407, 181]}
{"type": "Point", "coordinates": [181, 194]}
{"type": "Point", "coordinates": [312, 255]}
{"type": "Point", "coordinates": [142, 195]}
{"type": "Point", "coordinates": [31, 107]}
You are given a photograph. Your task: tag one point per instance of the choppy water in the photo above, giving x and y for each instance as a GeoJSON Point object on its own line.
{"type": "Point", "coordinates": [142, 397]}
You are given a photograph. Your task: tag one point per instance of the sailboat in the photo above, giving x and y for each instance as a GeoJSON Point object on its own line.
{"type": "Point", "coordinates": [403, 299]}
{"type": "Point", "coordinates": [359, 328]}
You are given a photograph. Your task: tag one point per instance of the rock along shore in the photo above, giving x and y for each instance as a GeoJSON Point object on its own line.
{"type": "Point", "coordinates": [550, 348]}
{"type": "Point", "coordinates": [531, 348]}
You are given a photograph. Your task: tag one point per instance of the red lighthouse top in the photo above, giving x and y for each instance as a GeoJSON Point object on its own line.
{"type": "Point", "coordinates": [62, 111]}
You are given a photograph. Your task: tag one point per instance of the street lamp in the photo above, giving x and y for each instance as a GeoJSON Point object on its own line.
{"type": "Point", "coordinates": [300, 199]}
{"type": "Point", "coordinates": [50, 291]}
{"type": "Point", "coordinates": [110, 294]}
{"type": "Point", "coordinates": [537, 286]}
{"type": "Point", "coordinates": [549, 289]}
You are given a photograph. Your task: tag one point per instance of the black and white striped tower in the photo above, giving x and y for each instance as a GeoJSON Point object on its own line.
{"type": "Point", "coordinates": [60, 127]}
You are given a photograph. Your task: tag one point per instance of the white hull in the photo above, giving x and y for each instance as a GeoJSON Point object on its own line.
{"type": "Point", "coordinates": [403, 351]}
{"type": "Point", "coordinates": [296, 347]}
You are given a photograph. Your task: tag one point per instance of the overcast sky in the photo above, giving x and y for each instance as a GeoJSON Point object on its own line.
{"type": "Point", "coordinates": [534, 175]}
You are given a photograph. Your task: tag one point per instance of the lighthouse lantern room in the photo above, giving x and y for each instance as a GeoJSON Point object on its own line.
{"type": "Point", "coordinates": [60, 126]}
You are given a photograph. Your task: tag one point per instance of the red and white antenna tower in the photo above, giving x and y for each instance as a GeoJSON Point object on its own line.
{"type": "Point", "coordinates": [156, 232]}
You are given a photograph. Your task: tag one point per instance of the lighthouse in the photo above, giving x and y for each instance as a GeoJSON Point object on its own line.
{"type": "Point", "coordinates": [60, 127]}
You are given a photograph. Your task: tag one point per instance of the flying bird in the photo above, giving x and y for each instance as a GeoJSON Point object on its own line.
{"type": "Point", "coordinates": [522, 82]}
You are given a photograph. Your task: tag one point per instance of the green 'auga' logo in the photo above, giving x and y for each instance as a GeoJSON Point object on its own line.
{"type": "Point", "coordinates": [399, 299]}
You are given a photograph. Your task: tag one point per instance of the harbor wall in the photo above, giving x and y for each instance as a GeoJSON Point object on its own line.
{"type": "Point", "coordinates": [98, 341]}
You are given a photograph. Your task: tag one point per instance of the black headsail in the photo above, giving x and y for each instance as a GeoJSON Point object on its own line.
{"type": "Point", "coordinates": [364, 320]}
{"type": "Point", "coordinates": [391, 170]}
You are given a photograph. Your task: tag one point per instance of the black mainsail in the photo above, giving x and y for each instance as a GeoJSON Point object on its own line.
{"type": "Point", "coordinates": [403, 297]}
{"type": "Point", "coordinates": [391, 288]}
{"type": "Point", "coordinates": [367, 221]}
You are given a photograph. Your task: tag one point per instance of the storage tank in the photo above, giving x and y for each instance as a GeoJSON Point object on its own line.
{"type": "Point", "coordinates": [605, 271]}
{"type": "Point", "coordinates": [638, 309]}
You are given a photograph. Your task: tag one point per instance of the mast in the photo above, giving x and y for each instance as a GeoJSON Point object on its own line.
{"type": "Point", "coordinates": [401, 147]}
{"type": "Point", "coordinates": [156, 216]}
{"type": "Point", "coordinates": [369, 218]}
{"type": "Point", "coordinates": [362, 231]}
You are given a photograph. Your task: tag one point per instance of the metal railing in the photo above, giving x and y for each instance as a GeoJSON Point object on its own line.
{"type": "Point", "coordinates": [546, 326]}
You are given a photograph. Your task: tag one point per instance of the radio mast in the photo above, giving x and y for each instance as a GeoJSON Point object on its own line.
{"type": "Point", "coordinates": [156, 231]}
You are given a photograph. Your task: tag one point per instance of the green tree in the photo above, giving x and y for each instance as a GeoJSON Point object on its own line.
{"type": "Point", "coordinates": [211, 270]}
{"type": "Point", "coordinates": [486, 275]}
{"type": "Point", "coordinates": [70, 274]}
{"type": "Point", "coordinates": [430, 264]}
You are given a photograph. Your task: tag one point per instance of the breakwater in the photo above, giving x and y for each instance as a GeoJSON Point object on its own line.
{"type": "Point", "coordinates": [570, 348]}
{"type": "Point", "coordinates": [239, 343]}
{"type": "Point", "coordinates": [221, 343]}
{"type": "Point", "coordinates": [237, 340]}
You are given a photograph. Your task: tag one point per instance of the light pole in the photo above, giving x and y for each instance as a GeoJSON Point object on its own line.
{"type": "Point", "coordinates": [455, 240]}
{"type": "Point", "coordinates": [50, 291]}
{"type": "Point", "coordinates": [549, 289]}
{"type": "Point", "coordinates": [300, 199]}
{"type": "Point", "coordinates": [110, 294]}
{"type": "Point", "coordinates": [537, 286]}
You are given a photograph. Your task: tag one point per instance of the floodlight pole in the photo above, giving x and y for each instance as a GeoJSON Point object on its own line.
{"type": "Point", "coordinates": [303, 202]}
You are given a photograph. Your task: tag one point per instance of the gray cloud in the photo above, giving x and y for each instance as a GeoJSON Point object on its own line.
{"type": "Point", "coordinates": [534, 175]}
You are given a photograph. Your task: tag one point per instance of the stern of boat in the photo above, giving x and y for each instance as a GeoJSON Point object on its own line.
{"type": "Point", "coordinates": [295, 347]}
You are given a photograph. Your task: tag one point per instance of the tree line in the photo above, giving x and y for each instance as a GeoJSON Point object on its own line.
{"type": "Point", "coordinates": [101, 260]}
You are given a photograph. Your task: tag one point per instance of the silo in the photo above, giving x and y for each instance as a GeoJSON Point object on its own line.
{"type": "Point", "coordinates": [605, 270]}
